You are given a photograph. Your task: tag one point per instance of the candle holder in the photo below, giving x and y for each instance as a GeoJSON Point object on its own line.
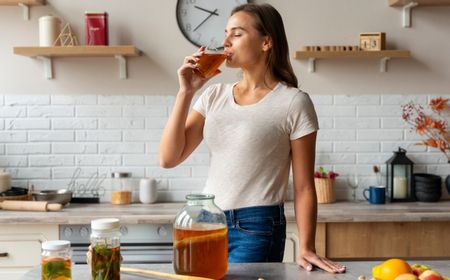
{"type": "Point", "coordinates": [399, 179]}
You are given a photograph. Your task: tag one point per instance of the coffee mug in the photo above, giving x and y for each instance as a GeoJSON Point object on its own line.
{"type": "Point", "coordinates": [148, 191]}
{"type": "Point", "coordinates": [377, 195]}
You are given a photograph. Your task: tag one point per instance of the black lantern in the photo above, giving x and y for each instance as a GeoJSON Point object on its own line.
{"type": "Point", "coordinates": [399, 177]}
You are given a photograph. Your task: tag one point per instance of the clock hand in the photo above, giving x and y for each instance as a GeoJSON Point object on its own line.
{"type": "Point", "coordinates": [210, 15]}
{"type": "Point", "coordinates": [208, 11]}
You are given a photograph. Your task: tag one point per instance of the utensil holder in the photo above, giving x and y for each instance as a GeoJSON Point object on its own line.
{"type": "Point", "coordinates": [325, 190]}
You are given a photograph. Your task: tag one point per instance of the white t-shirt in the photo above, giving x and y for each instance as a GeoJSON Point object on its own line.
{"type": "Point", "coordinates": [250, 153]}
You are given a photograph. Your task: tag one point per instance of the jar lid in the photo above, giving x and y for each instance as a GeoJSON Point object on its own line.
{"type": "Point", "coordinates": [121, 174]}
{"type": "Point", "coordinates": [56, 245]}
{"type": "Point", "coordinates": [49, 17]}
{"type": "Point", "coordinates": [108, 224]}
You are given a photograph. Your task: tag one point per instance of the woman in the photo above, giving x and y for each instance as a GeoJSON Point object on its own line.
{"type": "Point", "coordinates": [254, 129]}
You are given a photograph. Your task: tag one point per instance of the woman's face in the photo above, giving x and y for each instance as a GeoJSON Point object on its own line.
{"type": "Point", "coordinates": [243, 43]}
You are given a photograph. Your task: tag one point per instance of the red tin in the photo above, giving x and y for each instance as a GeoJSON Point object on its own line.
{"type": "Point", "coordinates": [96, 29]}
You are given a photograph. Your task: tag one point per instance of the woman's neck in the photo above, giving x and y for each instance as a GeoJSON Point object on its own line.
{"type": "Point", "coordinates": [254, 80]}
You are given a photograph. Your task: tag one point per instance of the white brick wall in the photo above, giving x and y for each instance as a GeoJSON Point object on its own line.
{"type": "Point", "coordinates": [54, 141]}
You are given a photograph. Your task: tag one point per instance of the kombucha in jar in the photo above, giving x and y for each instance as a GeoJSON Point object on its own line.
{"type": "Point", "coordinates": [55, 260]}
{"type": "Point", "coordinates": [200, 239]}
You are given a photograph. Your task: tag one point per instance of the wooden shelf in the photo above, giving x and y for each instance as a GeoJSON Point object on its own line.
{"type": "Point", "coordinates": [384, 56]}
{"type": "Point", "coordinates": [401, 3]}
{"type": "Point", "coordinates": [47, 53]}
{"type": "Point", "coordinates": [25, 4]}
{"type": "Point", "coordinates": [408, 5]}
{"type": "Point", "coordinates": [77, 51]}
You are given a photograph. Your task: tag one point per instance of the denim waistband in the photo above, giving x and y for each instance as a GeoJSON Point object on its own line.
{"type": "Point", "coordinates": [274, 211]}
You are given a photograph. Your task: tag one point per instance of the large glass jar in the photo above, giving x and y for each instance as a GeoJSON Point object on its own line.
{"type": "Point", "coordinates": [55, 260]}
{"type": "Point", "coordinates": [105, 246]}
{"type": "Point", "coordinates": [200, 240]}
{"type": "Point", "coordinates": [121, 188]}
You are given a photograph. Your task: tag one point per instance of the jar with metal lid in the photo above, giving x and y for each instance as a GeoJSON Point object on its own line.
{"type": "Point", "coordinates": [105, 249]}
{"type": "Point", "coordinates": [55, 260]}
{"type": "Point", "coordinates": [200, 238]}
{"type": "Point", "coordinates": [121, 188]}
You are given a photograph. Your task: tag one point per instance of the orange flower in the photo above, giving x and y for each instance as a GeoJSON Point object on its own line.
{"type": "Point", "coordinates": [433, 126]}
{"type": "Point", "coordinates": [430, 142]}
{"type": "Point", "coordinates": [438, 104]}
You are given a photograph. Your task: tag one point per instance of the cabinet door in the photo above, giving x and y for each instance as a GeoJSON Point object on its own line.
{"type": "Point", "coordinates": [20, 247]}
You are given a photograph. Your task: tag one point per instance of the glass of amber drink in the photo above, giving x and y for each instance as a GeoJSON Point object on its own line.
{"type": "Point", "coordinates": [200, 239]}
{"type": "Point", "coordinates": [209, 62]}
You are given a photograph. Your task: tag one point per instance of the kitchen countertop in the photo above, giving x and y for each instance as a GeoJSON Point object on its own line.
{"type": "Point", "coordinates": [259, 270]}
{"type": "Point", "coordinates": [163, 213]}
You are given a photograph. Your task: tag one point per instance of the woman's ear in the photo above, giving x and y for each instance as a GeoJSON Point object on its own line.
{"type": "Point", "coordinates": [267, 43]}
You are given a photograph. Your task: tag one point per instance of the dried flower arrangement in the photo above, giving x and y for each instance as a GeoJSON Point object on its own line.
{"type": "Point", "coordinates": [431, 123]}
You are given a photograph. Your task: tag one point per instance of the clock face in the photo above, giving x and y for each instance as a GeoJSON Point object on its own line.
{"type": "Point", "coordinates": [203, 22]}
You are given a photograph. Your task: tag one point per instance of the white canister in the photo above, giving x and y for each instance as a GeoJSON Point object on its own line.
{"type": "Point", "coordinates": [5, 180]}
{"type": "Point", "coordinates": [148, 191]}
{"type": "Point", "coordinates": [49, 29]}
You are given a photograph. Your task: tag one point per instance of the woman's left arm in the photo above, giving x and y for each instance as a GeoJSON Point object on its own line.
{"type": "Point", "coordinates": [305, 204]}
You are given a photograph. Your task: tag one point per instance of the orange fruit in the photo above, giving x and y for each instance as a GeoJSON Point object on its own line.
{"type": "Point", "coordinates": [390, 269]}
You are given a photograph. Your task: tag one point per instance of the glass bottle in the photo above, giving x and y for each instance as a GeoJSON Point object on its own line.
{"type": "Point", "coordinates": [105, 246]}
{"type": "Point", "coordinates": [200, 240]}
{"type": "Point", "coordinates": [55, 260]}
{"type": "Point", "coordinates": [121, 188]}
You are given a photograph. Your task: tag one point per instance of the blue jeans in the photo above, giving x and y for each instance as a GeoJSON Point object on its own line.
{"type": "Point", "coordinates": [256, 234]}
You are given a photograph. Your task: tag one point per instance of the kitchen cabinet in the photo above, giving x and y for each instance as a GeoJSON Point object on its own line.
{"type": "Point", "coordinates": [20, 247]}
{"type": "Point", "coordinates": [380, 240]}
{"type": "Point", "coordinates": [48, 53]}
{"type": "Point", "coordinates": [375, 240]}
{"type": "Point", "coordinates": [408, 5]}
{"type": "Point", "coordinates": [292, 242]}
{"type": "Point", "coordinates": [25, 4]}
{"type": "Point", "coordinates": [384, 56]}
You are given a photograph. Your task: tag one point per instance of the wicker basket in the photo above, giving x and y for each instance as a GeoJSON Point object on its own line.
{"type": "Point", "coordinates": [325, 190]}
{"type": "Point", "coordinates": [27, 196]}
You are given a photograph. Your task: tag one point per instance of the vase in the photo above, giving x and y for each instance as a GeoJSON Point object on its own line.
{"type": "Point", "coordinates": [427, 187]}
{"type": "Point", "coordinates": [325, 190]}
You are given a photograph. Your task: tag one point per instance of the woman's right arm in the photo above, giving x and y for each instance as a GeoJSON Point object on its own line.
{"type": "Point", "coordinates": [182, 133]}
{"type": "Point", "coordinates": [184, 130]}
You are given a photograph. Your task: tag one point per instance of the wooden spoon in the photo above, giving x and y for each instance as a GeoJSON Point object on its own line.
{"type": "Point", "coordinates": [161, 274]}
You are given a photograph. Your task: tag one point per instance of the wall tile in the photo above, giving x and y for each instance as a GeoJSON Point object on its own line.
{"type": "Point", "coordinates": [56, 141]}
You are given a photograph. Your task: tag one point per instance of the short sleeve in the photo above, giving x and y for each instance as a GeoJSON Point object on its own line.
{"type": "Point", "coordinates": [203, 102]}
{"type": "Point", "coordinates": [302, 118]}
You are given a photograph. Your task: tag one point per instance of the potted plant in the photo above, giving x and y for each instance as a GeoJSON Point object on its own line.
{"type": "Point", "coordinates": [432, 124]}
{"type": "Point", "coordinates": [324, 182]}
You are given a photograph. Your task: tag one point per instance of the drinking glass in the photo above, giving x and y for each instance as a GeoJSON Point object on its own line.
{"type": "Point", "coordinates": [209, 62]}
{"type": "Point", "coordinates": [352, 183]}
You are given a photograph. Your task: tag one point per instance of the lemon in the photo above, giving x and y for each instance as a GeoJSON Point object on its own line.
{"type": "Point", "coordinates": [390, 269]}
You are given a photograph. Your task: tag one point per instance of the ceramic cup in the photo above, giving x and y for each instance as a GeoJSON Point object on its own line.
{"type": "Point", "coordinates": [377, 194]}
{"type": "Point", "coordinates": [148, 191]}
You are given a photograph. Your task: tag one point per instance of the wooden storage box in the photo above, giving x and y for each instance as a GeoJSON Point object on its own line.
{"type": "Point", "coordinates": [325, 190]}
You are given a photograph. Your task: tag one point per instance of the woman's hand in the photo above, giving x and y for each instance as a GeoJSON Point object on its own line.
{"type": "Point", "coordinates": [190, 81]}
{"type": "Point", "coordinates": [308, 259]}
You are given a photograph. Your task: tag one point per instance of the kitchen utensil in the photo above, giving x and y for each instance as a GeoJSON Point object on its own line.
{"type": "Point", "coordinates": [53, 196]}
{"type": "Point", "coordinates": [161, 274]}
{"type": "Point", "coordinates": [16, 193]}
{"type": "Point", "coordinates": [19, 205]}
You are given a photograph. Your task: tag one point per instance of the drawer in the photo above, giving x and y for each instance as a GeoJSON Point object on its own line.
{"type": "Point", "coordinates": [23, 251]}
{"type": "Point", "coordinates": [22, 244]}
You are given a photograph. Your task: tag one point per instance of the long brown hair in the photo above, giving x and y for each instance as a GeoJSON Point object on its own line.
{"type": "Point", "coordinates": [269, 23]}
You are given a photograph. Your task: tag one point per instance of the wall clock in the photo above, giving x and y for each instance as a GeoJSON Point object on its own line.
{"type": "Point", "coordinates": [203, 22]}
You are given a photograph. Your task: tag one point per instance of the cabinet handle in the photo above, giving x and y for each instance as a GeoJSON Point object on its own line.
{"type": "Point", "coordinates": [2, 255]}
